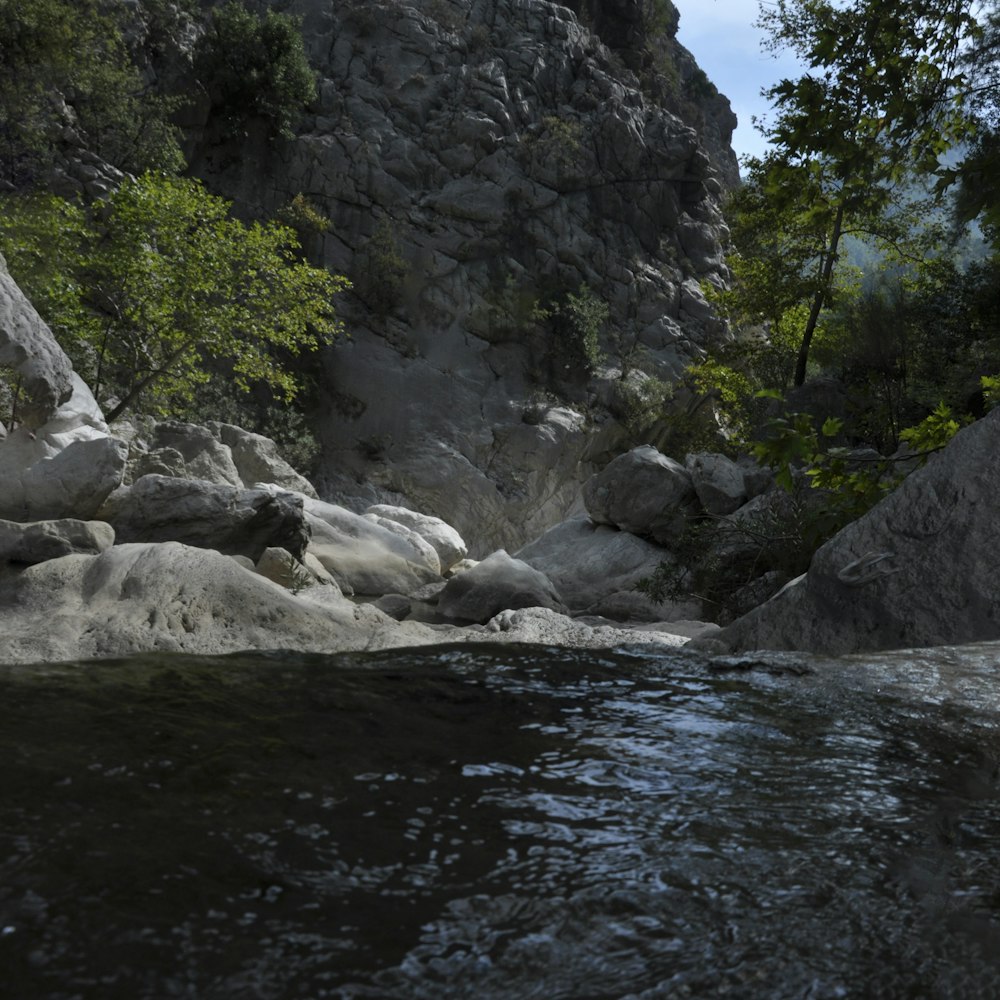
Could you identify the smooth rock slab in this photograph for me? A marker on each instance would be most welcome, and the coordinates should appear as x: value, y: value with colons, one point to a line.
x: 364, y: 555
x: 447, y: 542
x: 27, y: 346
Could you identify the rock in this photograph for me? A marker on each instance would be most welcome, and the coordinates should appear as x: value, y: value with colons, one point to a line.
x: 366, y: 556
x: 143, y: 597
x: 447, y: 542
x: 718, y: 481
x: 543, y: 626
x: 427, y: 551
x: 498, y: 583
x: 257, y: 460
x: 284, y: 569
x: 642, y: 492
x: 187, y: 451
x: 27, y: 346
x: 396, y: 606
x: 38, y: 541
x: 595, y: 569
x: 207, y: 515
x: 140, y: 597
x: 916, y: 570
x: 473, y: 163
x: 65, y: 467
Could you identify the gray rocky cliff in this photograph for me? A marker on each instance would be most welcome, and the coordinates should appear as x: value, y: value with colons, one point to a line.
x: 480, y: 162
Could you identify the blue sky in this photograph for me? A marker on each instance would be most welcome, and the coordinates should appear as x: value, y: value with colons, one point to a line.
x: 723, y: 38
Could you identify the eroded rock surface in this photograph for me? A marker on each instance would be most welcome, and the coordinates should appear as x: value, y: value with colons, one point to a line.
x: 919, y: 569
x: 479, y: 162
x: 207, y: 515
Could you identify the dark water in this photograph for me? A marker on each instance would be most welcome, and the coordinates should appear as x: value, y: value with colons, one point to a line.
x: 495, y: 823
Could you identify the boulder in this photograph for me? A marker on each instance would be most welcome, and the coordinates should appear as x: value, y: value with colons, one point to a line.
x: 187, y: 451
x: 642, y: 492
x: 718, y: 481
x: 365, y: 556
x: 496, y: 584
x: 284, y: 569
x: 917, y: 570
x: 447, y: 542
x: 27, y: 346
x: 257, y: 460
x: 596, y: 568
x: 427, y: 551
x: 207, y: 515
x: 39, y: 541
x: 135, y: 598
x: 63, y: 468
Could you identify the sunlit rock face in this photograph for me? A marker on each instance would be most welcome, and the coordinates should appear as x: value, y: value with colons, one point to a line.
x: 60, y: 461
x: 478, y: 163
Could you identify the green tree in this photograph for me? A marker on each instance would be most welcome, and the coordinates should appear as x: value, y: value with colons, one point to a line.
x: 880, y: 100
x: 255, y: 67
x: 163, y: 283
x: 65, y: 66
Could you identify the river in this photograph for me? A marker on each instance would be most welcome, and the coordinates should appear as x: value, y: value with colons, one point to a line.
x: 501, y: 822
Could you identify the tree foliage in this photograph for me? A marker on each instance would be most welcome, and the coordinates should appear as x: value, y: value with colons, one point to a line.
x: 879, y: 100
x: 153, y: 287
x: 66, y: 72
x: 255, y: 67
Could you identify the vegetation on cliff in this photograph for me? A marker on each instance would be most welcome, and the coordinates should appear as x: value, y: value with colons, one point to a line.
x: 152, y: 286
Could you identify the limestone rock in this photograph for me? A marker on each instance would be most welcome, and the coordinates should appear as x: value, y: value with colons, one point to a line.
x: 446, y: 541
x: 642, y: 492
x: 38, y: 541
x: 27, y: 346
x: 257, y: 460
x: 65, y: 467
x: 207, y: 515
x: 543, y: 626
x: 496, y: 584
x: 284, y: 569
x: 474, y: 162
x: 424, y: 547
x: 187, y: 451
x: 595, y: 569
x: 140, y: 597
x: 366, y: 556
x: 916, y: 570
x: 718, y: 481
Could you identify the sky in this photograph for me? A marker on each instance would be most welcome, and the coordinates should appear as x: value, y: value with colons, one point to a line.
x: 723, y: 38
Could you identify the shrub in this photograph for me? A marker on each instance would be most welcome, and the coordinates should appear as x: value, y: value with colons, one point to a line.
x: 255, y: 67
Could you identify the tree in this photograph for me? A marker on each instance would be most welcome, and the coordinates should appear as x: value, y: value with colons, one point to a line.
x: 163, y: 282
x: 255, y: 67
x: 880, y: 100
x: 65, y: 66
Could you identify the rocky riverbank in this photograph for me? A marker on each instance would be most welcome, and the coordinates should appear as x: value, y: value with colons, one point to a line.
x: 171, y: 536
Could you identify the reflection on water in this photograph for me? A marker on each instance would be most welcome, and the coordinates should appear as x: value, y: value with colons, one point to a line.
x: 491, y: 823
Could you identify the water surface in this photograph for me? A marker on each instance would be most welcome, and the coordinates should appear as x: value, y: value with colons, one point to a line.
x: 493, y: 822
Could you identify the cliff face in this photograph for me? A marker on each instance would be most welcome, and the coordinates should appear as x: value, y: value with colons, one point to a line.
x: 498, y: 182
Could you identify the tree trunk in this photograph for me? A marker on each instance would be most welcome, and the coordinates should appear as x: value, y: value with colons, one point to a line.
x: 820, y: 297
